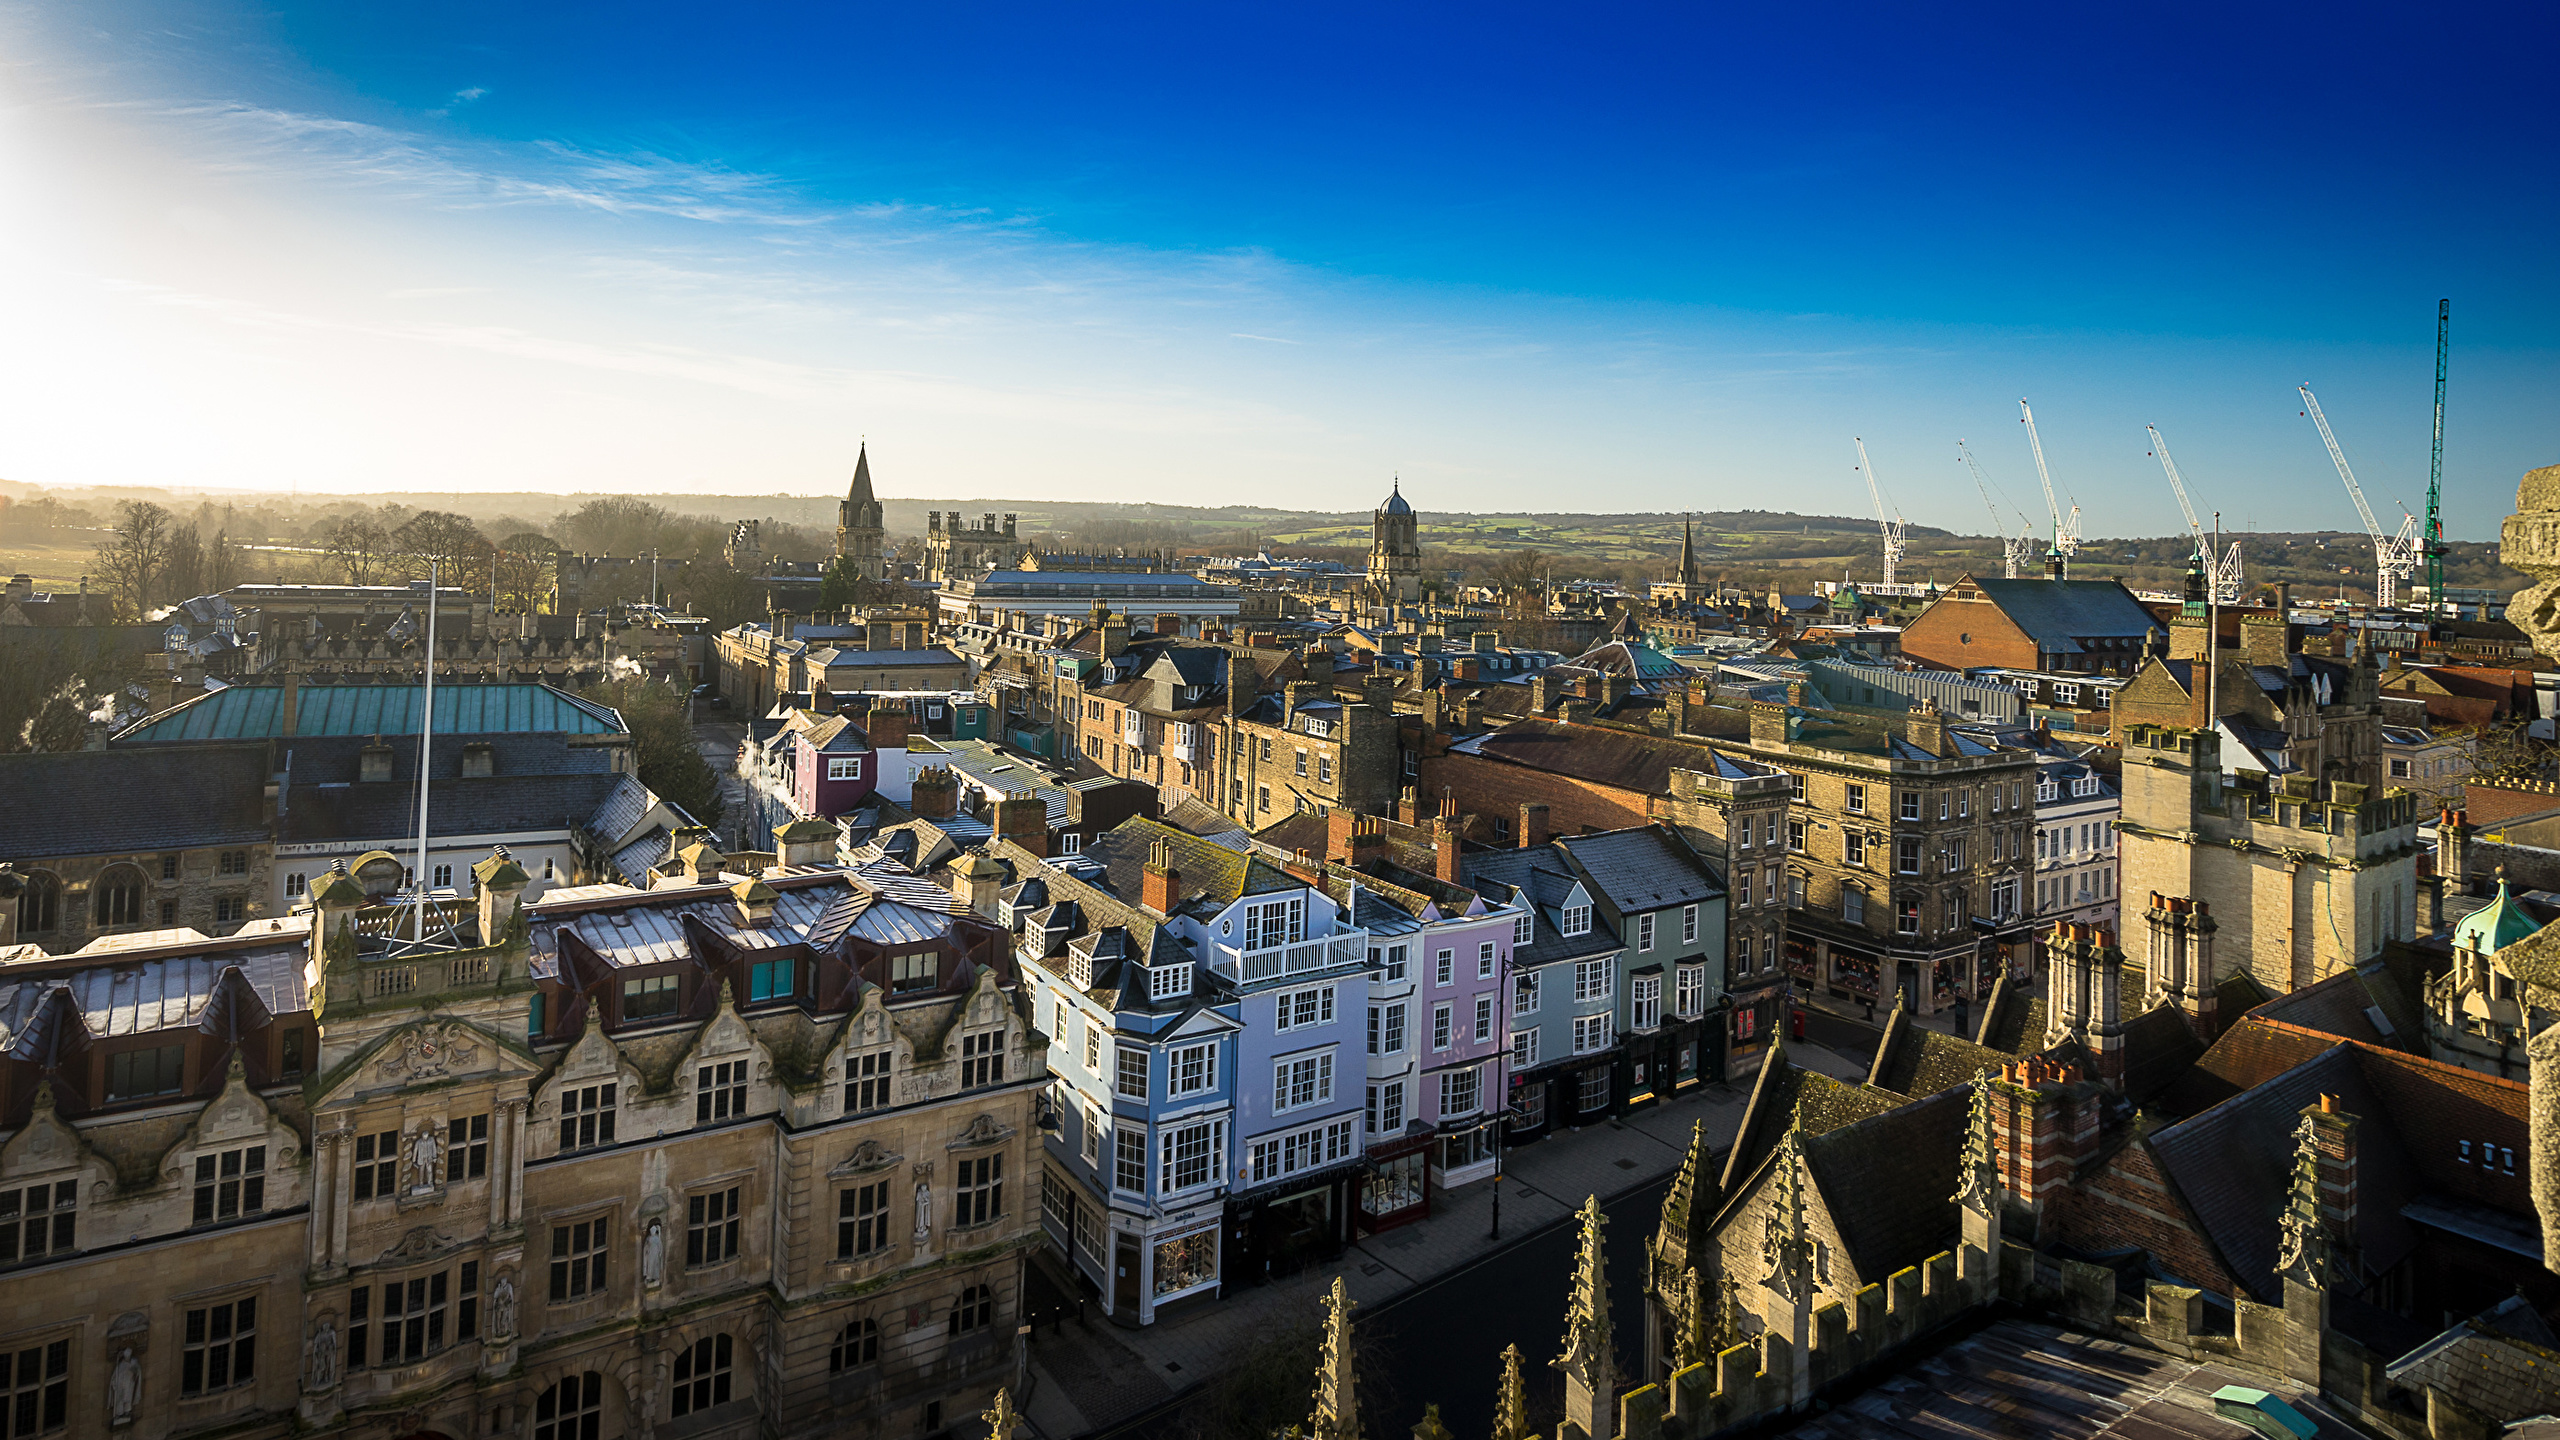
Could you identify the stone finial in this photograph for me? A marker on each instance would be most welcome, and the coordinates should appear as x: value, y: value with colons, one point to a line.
x: 1337, y: 1412
x: 2302, y: 1241
x: 1001, y: 1419
x: 1511, y: 1401
x: 1590, y: 1368
x: 1784, y: 1248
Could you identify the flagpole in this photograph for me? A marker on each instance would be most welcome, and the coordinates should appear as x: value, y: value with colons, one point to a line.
x: 426, y: 737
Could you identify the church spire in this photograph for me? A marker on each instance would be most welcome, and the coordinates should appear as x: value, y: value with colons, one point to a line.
x: 860, y: 492
x: 1688, y: 555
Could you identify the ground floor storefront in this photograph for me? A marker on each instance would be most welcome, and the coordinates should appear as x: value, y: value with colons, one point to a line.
x: 1862, y: 969
x: 1135, y: 1261
x: 1286, y: 1227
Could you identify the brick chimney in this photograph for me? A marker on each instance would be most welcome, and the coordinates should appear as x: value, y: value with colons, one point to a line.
x: 1542, y: 692
x: 1928, y: 728
x: 1533, y: 826
x: 1444, y: 846
x: 1023, y: 818
x: 935, y: 794
x: 1115, y: 636
x: 1168, y: 624
x: 1409, y: 805
x: 2333, y: 1135
x: 1159, y: 884
x: 887, y: 727
x: 1768, y: 722
x: 2262, y: 639
x: 2044, y: 1126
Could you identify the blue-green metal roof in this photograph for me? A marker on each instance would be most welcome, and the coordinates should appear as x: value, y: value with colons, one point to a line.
x: 256, y: 712
x: 2494, y: 926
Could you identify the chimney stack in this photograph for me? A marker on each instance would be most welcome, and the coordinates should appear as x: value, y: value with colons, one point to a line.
x: 935, y: 794
x: 1023, y: 818
x: 1160, y: 884
x: 1928, y: 728
x: 1533, y: 826
x: 887, y: 726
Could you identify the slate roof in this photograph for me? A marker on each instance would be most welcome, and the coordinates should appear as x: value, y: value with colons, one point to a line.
x: 1786, y: 1094
x: 1645, y: 868
x: 100, y: 802
x: 257, y: 712
x: 491, y: 805
x: 1212, y: 876
x: 2060, y: 613
x: 2503, y: 1364
x: 1917, y: 1061
x: 1889, y: 1181
x: 1201, y: 818
x: 1621, y: 759
x: 833, y: 657
x: 2234, y: 1166
x: 130, y: 998
x: 315, y: 759
x: 1542, y: 878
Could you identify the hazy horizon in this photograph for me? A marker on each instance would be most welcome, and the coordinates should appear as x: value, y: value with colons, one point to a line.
x: 1674, y: 257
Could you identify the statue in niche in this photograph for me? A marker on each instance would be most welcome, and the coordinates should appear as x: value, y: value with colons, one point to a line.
x: 124, y: 1387
x: 502, y: 1306
x: 320, y: 1355
x: 424, y: 1157
x: 653, y: 1254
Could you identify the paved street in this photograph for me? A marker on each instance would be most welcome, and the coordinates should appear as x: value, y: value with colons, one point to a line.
x: 1436, y: 1298
x: 718, y: 741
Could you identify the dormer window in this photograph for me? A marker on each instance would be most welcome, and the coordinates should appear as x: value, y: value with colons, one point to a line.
x: 913, y: 973
x: 1577, y: 920
x: 1169, y: 982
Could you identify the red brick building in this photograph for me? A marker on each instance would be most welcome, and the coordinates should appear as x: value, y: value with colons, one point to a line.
x: 2089, y: 626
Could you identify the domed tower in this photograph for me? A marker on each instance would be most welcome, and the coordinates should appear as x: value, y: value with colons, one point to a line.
x: 858, y: 531
x: 1395, y: 551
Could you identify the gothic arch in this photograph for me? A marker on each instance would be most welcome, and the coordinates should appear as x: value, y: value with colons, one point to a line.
x: 40, y: 904
x: 117, y: 896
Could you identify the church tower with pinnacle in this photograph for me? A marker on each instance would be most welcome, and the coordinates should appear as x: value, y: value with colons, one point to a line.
x: 1395, y: 552
x: 858, y: 529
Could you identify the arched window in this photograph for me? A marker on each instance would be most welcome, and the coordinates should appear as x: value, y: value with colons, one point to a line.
x: 40, y: 904
x: 571, y: 1410
x: 702, y: 1375
x: 117, y: 897
x: 976, y: 1310
x: 857, y: 1345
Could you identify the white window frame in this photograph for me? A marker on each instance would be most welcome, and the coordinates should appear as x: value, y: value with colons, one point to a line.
x: 1443, y: 1026
x: 1210, y: 1159
x: 1577, y: 921
x: 1524, y: 928
x: 1169, y: 982
x: 1524, y: 1048
x: 1593, y: 980
x: 1310, y: 1073
x: 1461, y: 1091
x: 1485, y: 959
x: 1689, y: 991
x: 1191, y: 1069
x: 1689, y: 925
x: 1524, y: 992
x: 1644, y: 1002
x: 1594, y: 1033
x: 844, y: 767
x: 1303, y: 1009
x: 1644, y: 933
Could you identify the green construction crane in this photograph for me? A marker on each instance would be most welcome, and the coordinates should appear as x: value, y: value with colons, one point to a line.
x: 2435, y: 470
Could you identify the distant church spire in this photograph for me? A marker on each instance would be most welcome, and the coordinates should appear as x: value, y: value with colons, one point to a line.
x: 858, y: 529
x: 1688, y: 555
x: 860, y: 493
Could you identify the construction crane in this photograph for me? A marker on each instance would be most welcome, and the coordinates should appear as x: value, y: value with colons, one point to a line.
x: 2013, y: 549
x: 2435, y: 471
x: 2224, y: 574
x: 2395, y: 557
x: 2066, y: 531
x: 1895, y: 533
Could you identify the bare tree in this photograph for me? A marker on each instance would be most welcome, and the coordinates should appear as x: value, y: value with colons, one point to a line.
x: 133, y: 559
x: 455, y: 546
x: 525, y: 563
x: 357, y: 544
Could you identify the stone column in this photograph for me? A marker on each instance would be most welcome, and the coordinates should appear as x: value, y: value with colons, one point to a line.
x: 325, y: 1163
x: 341, y: 1196
x: 502, y: 1176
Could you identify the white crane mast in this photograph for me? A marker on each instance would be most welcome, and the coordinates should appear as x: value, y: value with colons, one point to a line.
x: 2014, y: 549
x: 2224, y: 574
x: 2395, y: 557
x: 1895, y: 532
x: 2066, y: 531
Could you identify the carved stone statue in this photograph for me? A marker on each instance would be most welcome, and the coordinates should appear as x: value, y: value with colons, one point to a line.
x: 502, y: 1307
x: 924, y: 1212
x: 124, y: 1387
x: 425, y: 1153
x: 653, y: 1255
x: 320, y: 1355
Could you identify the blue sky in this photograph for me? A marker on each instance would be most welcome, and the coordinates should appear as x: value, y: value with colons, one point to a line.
x: 1527, y: 257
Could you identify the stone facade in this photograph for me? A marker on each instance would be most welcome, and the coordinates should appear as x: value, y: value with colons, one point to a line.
x: 486, y: 1189
x: 2304, y: 878
x: 858, y: 529
x: 954, y: 547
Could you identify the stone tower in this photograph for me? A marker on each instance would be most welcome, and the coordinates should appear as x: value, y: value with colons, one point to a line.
x: 858, y: 530
x: 1395, y: 552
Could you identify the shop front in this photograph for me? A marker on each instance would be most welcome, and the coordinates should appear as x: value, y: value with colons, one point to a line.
x: 1753, y: 1017
x: 1397, y: 1188
x: 1159, y: 1261
x: 1302, y: 1221
x: 1466, y: 1151
x: 1655, y: 1065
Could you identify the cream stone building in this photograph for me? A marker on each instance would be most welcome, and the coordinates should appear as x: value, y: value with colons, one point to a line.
x: 2303, y: 877
x: 736, y: 1155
